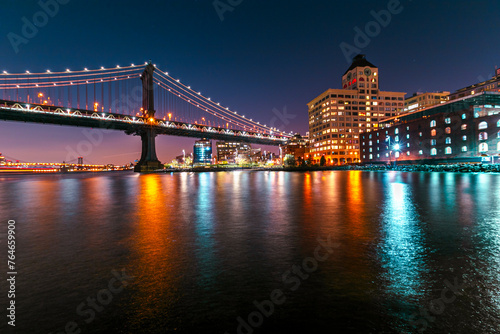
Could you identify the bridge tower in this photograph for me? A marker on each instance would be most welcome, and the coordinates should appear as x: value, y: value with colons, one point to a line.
x: 149, y: 161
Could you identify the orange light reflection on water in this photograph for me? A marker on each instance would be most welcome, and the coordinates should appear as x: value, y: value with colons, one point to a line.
x: 152, y: 247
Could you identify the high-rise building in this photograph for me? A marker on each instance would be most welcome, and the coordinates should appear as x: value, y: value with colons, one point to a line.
x: 338, y: 116
x: 419, y: 101
x: 202, y: 152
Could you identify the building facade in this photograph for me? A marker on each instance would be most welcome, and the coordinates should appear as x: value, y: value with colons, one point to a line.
x: 419, y: 101
x: 462, y: 130
x: 338, y: 116
x: 202, y: 152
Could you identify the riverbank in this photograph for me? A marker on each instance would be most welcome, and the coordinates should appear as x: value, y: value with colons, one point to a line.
x: 454, y: 168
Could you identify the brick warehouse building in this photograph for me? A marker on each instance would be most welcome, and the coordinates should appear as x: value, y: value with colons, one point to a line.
x: 462, y: 130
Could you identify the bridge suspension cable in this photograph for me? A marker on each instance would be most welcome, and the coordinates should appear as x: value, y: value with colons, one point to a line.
x: 206, y: 104
x: 88, y: 88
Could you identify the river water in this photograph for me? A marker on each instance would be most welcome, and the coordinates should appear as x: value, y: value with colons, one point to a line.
x: 253, y: 252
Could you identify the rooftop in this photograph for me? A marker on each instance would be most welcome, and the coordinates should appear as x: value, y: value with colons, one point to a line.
x: 360, y: 61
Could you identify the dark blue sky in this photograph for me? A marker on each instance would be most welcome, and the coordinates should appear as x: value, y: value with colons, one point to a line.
x: 264, y: 56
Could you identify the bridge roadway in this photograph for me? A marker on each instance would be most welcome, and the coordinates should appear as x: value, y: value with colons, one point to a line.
x: 37, y: 113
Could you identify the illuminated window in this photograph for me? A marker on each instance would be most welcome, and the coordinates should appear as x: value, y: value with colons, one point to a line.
x: 483, y: 136
x: 433, y: 124
x: 420, y: 152
x: 464, y: 116
x: 433, y: 142
x: 483, y: 125
x: 498, y: 124
x: 433, y: 151
x: 396, y: 155
x: 396, y: 131
x: 447, y: 120
x: 396, y: 139
x: 448, y: 140
x: 464, y: 127
x: 447, y: 130
x: 408, y: 153
x: 498, y: 134
x: 464, y: 148
x: 464, y: 138
x: 433, y: 133
x: 483, y: 147
x: 447, y: 150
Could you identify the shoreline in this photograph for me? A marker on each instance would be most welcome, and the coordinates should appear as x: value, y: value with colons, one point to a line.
x: 454, y: 168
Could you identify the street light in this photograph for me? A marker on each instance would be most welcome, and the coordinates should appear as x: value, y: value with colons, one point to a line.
x: 396, y: 155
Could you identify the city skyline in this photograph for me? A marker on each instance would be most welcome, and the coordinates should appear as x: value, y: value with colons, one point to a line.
x: 229, y: 71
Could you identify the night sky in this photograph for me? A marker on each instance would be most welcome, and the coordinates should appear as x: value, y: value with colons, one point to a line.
x: 263, y: 56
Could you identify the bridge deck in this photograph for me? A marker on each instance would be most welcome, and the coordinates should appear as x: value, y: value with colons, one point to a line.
x: 36, y: 113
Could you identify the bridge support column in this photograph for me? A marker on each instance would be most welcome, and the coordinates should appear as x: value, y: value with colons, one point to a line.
x: 149, y: 161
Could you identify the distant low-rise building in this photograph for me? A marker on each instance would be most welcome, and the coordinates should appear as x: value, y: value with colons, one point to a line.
x: 233, y: 152
x: 419, y: 101
x: 298, y: 147
x: 491, y: 85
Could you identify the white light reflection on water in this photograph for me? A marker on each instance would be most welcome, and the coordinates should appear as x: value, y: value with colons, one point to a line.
x: 401, y: 251
x: 204, y: 224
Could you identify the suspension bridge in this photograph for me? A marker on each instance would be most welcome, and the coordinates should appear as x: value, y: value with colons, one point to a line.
x: 114, y: 98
